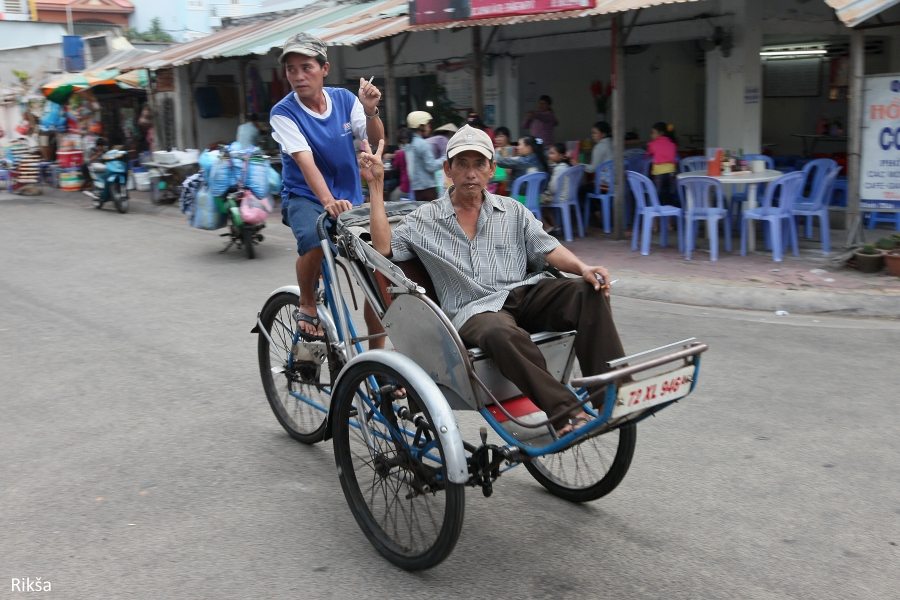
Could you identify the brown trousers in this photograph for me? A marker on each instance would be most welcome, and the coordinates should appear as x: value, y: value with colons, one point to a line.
x: 426, y: 195
x: 549, y: 305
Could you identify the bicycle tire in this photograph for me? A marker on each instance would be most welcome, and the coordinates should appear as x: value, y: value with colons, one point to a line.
x: 563, y: 473
x: 398, y: 485
x: 289, y: 388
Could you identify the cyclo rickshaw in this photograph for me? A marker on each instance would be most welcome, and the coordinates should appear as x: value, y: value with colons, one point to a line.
x: 400, y: 456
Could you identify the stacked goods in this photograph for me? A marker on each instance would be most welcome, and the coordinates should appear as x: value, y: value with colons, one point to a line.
x: 70, y: 179
x: 27, y: 164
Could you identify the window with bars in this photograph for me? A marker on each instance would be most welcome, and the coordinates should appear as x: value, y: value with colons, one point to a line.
x: 14, y: 6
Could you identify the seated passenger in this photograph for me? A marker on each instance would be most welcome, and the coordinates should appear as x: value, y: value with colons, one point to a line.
x: 485, y: 254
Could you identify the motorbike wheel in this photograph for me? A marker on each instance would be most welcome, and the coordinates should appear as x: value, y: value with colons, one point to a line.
x: 247, y: 241
x: 119, y: 197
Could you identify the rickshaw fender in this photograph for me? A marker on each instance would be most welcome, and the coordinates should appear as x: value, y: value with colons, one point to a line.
x: 441, y: 416
x: 291, y: 289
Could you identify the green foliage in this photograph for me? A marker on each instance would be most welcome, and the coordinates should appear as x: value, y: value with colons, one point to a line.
x: 443, y: 111
x: 868, y: 249
x: 23, y: 76
x: 886, y: 243
x: 156, y: 33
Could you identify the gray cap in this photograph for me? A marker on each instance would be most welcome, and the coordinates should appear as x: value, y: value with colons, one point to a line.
x: 305, y: 44
x: 470, y: 138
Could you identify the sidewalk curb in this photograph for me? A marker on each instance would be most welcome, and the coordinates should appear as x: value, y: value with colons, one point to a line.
x: 735, y: 295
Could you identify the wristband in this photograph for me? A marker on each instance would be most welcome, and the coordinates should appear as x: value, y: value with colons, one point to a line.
x: 372, y: 116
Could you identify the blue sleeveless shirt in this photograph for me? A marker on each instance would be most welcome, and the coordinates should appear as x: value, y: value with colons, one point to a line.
x: 331, y: 142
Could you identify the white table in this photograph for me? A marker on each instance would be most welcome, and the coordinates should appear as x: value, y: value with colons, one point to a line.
x: 751, y: 180
x: 165, y: 170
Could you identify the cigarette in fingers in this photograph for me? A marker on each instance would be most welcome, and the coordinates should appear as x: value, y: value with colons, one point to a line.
x: 369, y: 82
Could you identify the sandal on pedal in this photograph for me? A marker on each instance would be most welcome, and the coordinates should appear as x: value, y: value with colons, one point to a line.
x: 573, y: 424
x: 312, y: 320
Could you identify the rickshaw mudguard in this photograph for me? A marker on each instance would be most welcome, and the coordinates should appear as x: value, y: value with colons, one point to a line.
x: 442, y: 418
x: 324, y: 316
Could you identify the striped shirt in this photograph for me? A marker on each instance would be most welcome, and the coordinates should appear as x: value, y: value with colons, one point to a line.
x: 475, y: 276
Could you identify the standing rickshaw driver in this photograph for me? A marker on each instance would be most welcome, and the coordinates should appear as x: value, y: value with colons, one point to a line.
x: 315, y: 127
x: 484, y: 254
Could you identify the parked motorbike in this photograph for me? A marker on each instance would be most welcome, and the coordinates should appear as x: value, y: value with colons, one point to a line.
x: 241, y: 232
x: 110, y: 177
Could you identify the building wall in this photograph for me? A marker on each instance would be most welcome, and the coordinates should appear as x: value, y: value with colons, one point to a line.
x: 37, y: 61
x: 54, y: 16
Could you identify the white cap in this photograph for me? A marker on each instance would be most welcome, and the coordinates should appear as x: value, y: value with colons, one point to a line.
x: 470, y: 138
x: 417, y: 118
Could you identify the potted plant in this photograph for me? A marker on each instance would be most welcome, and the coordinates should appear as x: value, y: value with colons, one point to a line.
x: 869, y: 259
x: 892, y: 262
x: 887, y: 243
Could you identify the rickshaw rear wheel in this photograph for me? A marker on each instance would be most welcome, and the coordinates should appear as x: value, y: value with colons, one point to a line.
x: 299, y: 393
x: 589, y: 470
x: 392, y: 468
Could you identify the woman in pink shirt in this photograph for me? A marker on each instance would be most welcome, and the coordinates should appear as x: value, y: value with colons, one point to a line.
x: 663, y: 151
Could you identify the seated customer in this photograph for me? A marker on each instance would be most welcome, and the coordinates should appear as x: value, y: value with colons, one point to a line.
x: 485, y: 255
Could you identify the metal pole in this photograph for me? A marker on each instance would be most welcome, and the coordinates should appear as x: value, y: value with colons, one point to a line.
x: 390, y: 91
x: 854, y: 135
x: 478, y: 88
x: 618, y: 127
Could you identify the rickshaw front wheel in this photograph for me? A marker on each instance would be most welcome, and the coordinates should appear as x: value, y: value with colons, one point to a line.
x: 297, y: 387
x: 392, y: 467
x: 589, y: 470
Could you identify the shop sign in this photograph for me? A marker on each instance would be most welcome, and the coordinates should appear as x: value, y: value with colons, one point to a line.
x: 880, y: 164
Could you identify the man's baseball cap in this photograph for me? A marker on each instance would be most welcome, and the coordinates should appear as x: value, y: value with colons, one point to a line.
x: 417, y: 118
x: 470, y: 138
x: 305, y: 44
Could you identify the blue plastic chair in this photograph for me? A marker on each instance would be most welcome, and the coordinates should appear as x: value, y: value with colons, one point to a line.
x: 646, y: 208
x: 533, y: 183
x: 6, y: 179
x: 816, y: 205
x: 565, y: 200
x: 739, y: 194
x: 704, y: 201
x: 639, y: 163
x: 876, y: 217
x: 692, y: 164
x: 604, y: 191
x: 778, y: 216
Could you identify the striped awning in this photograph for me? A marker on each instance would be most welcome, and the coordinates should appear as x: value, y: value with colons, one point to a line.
x: 854, y: 12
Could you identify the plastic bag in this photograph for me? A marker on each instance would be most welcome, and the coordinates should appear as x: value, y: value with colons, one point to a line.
x: 257, y: 178
x: 206, y: 213
x: 254, y: 210
x: 222, y: 175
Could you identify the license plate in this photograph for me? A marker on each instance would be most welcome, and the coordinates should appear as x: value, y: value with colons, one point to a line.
x: 653, y: 390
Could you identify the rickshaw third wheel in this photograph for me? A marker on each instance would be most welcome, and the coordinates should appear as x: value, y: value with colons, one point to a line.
x: 392, y: 468
x: 589, y: 470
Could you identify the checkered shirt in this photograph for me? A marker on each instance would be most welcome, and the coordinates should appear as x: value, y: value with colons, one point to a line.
x: 475, y: 276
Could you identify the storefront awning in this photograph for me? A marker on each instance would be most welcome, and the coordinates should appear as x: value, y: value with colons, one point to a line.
x: 336, y: 24
x: 854, y: 12
x: 601, y: 7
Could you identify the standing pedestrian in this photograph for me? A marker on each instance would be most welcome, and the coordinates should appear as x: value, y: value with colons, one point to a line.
x: 420, y: 160
x: 542, y: 122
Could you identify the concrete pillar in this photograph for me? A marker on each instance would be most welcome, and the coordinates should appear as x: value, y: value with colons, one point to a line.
x: 734, y: 83
x: 506, y: 73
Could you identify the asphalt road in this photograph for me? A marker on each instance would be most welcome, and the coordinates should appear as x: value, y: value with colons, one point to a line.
x: 139, y: 459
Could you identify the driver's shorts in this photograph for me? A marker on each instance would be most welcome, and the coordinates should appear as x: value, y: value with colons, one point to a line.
x: 300, y: 214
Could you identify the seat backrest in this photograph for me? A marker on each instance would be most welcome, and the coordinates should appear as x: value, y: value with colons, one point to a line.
x: 786, y: 189
x: 567, y: 186
x: 604, y: 178
x: 533, y: 183
x: 692, y: 163
x: 642, y: 189
x: 703, y: 192
x: 770, y: 162
x: 822, y: 186
x: 814, y: 171
x: 639, y: 163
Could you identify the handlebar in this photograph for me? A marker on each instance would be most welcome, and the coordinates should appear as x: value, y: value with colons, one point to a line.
x: 322, y: 230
